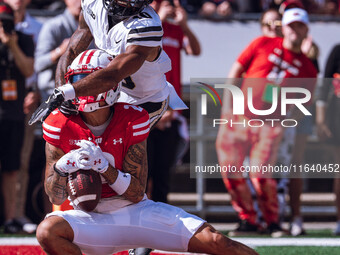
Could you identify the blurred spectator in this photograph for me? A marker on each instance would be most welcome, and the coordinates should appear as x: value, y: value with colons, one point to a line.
x: 297, y: 142
x: 249, y: 6
x: 219, y: 8
x: 330, y: 7
x: 288, y: 4
x: 27, y: 25
x: 328, y: 115
x: 52, y: 43
x: 261, y: 144
x: 270, y: 21
x: 52, y: 5
x: 16, y: 64
x: 191, y: 6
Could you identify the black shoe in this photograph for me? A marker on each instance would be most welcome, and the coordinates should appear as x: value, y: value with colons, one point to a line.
x: 11, y: 227
x: 26, y: 225
x: 244, y: 229
x: 140, y: 251
x: 275, y: 230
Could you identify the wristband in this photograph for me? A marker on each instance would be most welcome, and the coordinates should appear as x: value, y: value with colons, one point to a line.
x: 122, y: 182
x: 59, y: 172
x: 68, y: 91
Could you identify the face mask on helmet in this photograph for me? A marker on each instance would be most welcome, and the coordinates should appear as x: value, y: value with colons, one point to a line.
x: 86, y: 63
x: 122, y: 9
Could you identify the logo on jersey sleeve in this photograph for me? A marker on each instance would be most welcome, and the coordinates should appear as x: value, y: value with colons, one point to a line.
x: 115, y: 141
x: 90, y: 12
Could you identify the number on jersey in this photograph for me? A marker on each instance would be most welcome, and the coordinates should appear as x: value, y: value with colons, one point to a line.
x: 137, y: 108
x: 128, y: 83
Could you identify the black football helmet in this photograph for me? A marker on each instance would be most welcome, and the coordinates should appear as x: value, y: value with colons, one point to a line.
x: 123, y: 9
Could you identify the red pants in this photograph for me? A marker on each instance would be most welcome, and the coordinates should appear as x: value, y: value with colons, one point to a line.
x: 233, y: 144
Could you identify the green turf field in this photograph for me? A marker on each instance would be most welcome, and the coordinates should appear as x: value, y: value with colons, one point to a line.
x: 298, y: 250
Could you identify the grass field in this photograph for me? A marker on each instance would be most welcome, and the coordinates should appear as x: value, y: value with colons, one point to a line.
x: 298, y: 250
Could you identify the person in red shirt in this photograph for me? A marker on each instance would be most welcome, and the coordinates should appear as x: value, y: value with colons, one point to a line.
x: 274, y: 60
x: 110, y: 138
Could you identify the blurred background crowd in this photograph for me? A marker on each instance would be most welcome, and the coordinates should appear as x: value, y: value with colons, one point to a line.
x: 49, y: 25
x: 221, y: 7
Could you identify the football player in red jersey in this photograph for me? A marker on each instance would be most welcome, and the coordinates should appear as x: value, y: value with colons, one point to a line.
x: 113, y: 134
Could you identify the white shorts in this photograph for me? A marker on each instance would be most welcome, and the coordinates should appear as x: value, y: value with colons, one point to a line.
x: 145, y: 224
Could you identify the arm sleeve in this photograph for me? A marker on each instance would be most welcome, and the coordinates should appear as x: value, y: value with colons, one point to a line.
x: 149, y: 36
x: 52, y: 130
x: 138, y: 129
x: 331, y: 67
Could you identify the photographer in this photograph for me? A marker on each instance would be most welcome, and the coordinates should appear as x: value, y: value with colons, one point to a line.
x: 16, y: 64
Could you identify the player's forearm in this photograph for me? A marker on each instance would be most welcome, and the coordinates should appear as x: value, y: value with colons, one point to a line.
x: 55, y: 187
x: 134, y: 192
x: 130, y: 182
x: 64, y: 61
x: 121, y: 67
x: 79, y: 42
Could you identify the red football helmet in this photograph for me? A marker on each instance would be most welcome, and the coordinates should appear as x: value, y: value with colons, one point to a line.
x: 84, y: 64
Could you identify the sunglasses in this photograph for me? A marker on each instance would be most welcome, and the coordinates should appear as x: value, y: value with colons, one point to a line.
x: 269, y: 23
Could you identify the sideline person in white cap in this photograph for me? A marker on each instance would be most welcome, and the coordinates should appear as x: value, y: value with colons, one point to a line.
x: 273, y: 59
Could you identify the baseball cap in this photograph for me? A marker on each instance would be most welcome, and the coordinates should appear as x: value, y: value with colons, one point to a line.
x: 6, y: 11
x: 289, y: 4
x: 295, y: 15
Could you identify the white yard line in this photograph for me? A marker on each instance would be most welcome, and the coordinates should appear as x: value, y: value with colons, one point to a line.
x: 256, y: 242
x: 253, y: 242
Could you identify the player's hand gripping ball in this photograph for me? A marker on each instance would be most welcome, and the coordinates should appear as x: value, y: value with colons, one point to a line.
x: 92, y: 156
x: 84, y: 188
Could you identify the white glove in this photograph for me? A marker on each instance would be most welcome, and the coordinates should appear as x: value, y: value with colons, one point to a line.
x: 92, y: 156
x: 71, y: 162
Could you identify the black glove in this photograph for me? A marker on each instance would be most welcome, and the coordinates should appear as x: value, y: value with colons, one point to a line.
x: 55, y: 100
x: 67, y: 108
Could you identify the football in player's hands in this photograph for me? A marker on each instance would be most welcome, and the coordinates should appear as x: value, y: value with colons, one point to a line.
x: 84, y: 188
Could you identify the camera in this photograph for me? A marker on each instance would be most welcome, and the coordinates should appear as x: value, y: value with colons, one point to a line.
x: 8, y: 25
x: 171, y: 2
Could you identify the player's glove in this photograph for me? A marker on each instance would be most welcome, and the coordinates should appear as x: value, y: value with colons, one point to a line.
x: 93, y: 156
x: 70, y: 162
x: 68, y: 108
x: 55, y: 100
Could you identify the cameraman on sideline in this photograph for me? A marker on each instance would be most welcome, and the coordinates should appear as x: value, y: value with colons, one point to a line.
x: 16, y: 64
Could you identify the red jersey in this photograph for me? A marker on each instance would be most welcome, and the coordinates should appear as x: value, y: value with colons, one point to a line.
x: 129, y: 125
x: 172, y: 45
x: 266, y: 58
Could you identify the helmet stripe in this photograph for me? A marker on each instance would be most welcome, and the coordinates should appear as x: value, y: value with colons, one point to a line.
x: 82, y: 57
x: 90, y: 56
